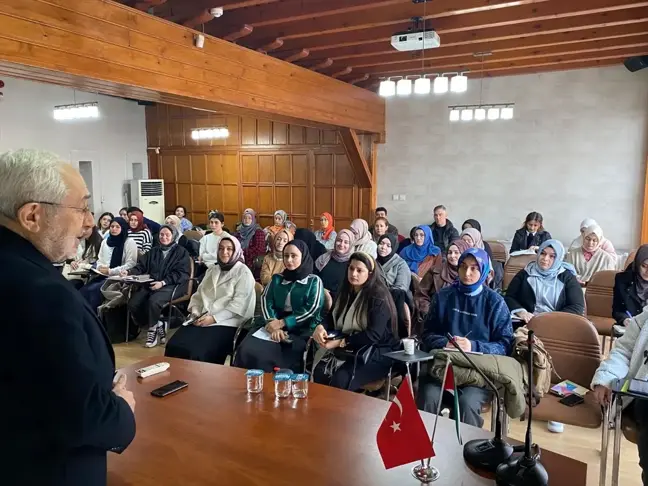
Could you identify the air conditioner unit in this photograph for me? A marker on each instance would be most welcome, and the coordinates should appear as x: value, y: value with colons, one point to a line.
x: 148, y: 195
x: 413, y: 41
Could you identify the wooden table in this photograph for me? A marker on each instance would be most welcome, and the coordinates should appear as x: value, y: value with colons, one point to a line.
x: 213, y: 433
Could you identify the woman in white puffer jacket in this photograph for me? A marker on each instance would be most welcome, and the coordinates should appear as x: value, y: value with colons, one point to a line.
x: 628, y: 359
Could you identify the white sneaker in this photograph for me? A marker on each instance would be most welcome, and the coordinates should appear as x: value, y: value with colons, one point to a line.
x: 555, y: 427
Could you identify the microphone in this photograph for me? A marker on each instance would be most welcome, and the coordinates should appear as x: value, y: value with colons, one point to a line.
x: 526, y: 469
x: 486, y: 454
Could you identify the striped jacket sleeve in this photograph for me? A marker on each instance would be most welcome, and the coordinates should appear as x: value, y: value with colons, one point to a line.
x: 267, y: 301
x: 309, y: 310
x: 147, y: 242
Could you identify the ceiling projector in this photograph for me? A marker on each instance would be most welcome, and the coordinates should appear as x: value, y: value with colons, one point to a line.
x: 415, y: 41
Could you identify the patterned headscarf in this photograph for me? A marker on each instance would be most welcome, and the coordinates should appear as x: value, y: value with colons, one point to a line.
x: 236, y: 257
x: 247, y: 232
x: 323, y: 260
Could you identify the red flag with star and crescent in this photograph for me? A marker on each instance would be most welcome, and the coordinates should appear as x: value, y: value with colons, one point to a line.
x: 402, y: 437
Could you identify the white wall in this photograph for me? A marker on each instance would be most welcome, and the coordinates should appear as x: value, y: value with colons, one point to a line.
x: 113, y: 142
x: 576, y: 148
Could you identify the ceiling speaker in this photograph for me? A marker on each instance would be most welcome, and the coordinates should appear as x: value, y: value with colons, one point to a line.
x: 636, y: 63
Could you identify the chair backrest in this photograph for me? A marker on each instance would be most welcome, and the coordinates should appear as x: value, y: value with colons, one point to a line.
x: 193, y: 235
x: 513, y: 266
x: 189, y: 292
x: 500, y: 252
x: 599, y: 293
x: 630, y: 258
x: 573, y: 344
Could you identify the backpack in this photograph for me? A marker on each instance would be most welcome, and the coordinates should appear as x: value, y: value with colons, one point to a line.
x: 543, y: 369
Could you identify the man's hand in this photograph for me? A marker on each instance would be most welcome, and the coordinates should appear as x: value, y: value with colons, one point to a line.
x: 603, y: 394
x: 274, y: 325
x: 119, y: 389
x: 156, y: 285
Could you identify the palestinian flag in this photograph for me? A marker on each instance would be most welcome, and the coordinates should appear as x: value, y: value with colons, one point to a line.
x: 449, y: 385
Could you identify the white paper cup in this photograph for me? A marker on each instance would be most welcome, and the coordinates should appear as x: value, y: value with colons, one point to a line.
x: 409, y: 345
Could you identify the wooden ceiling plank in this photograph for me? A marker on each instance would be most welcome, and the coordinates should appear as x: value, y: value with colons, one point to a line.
x: 297, y: 56
x: 322, y: 65
x: 271, y: 46
x: 97, y: 30
x: 181, y: 9
x: 359, y: 80
x: 478, y: 29
x: 239, y: 34
x: 344, y: 72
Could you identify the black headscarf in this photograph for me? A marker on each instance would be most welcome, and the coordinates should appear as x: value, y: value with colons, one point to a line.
x: 306, y: 267
x: 117, y: 243
x: 315, y: 248
x: 641, y: 285
x: 393, y: 239
x: 473, y: 224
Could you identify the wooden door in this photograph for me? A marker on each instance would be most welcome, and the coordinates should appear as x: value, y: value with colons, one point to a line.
x: 333, y: 189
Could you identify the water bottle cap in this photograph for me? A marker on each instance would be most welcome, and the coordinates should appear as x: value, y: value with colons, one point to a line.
x: 254, y: 373
x: 299, y: 377
x: 282, y: 377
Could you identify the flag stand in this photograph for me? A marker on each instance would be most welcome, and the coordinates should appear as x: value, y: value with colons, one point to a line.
x: 423, y: 472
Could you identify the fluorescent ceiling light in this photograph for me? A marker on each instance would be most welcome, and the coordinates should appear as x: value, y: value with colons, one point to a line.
x: 422, y: 86
x: 77, y: 111
x: 466, y: 114
x: 506, y: 113
x: 404, y: 87
x: 480, y: 114
x: 493, y: 113
x: 459, y: 83
x: 209, y: 133
x: 440, y: 85
x: 454, y: 115
x: 387, y: 88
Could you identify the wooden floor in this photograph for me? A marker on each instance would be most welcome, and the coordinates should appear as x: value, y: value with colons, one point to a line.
x: 576, y: 442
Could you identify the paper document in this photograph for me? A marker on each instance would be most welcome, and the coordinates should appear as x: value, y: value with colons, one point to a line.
x: 263, y: 334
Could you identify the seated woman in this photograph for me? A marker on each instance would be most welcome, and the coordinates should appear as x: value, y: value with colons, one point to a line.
x: 87, y: 254
x: 123, y: 213
x: 252, y: 240
x: 315, y: 248
x: 380, y: 227
x: 185, y: 224
x: 362, y: 240
x: 139, y: 233
x: 627, y: 361
x: 546, y: 285
x: 226, y: 294
x: 326, y: 234
x: 364, y: 316
x: 273, y: 261
x: 531, y: 235
x: 590, y: 257
x: 280, y: 218
x: 473, y: 236
x: 291, y: 308
x: 191, y: 246
x: 208, y: 251
x: 407, y: 241
x: 103, y: 224
x: 398, y: 278
x: 444, y: 273
x: 476, y: 239
x: 117, y: 253
x: 332, y: 266
x: 631, y: 289
x: 478, y: 319
x: 292, y: 227
x: 168, y: 265
x: 422, y: 254
x: 606, y: 245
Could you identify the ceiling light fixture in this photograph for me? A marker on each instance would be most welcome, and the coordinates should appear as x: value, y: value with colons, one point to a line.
x: 493, y: 113
x: 506, y: 113
x: 454, y: 115
x: 209, y: 133
x: 440, y: 85
x: 480, y: 114
x: 466, y: 114
x: 459, y: 83
x: 387, y: 88
x: 77, y: 111
x: 404, y: 87
x: 422, y: 85
x: 501, y: 111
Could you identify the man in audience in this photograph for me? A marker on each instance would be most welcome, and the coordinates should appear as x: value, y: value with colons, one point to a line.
x: 62, y: 408
x: 381, y: 212
x: 443, y: 230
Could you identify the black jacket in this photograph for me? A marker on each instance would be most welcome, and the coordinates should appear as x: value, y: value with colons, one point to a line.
x: 192, y: 246
x: 520, y: 295
x: 172, y: 270
x: 625, y: 296
x: 520, y: 239
x: 58, y: 414
x: 444, y: 235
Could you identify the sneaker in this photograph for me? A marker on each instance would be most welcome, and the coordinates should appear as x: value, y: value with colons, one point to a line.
x: 151, y: 338
x: 161, y: 328
x: 555, y: 427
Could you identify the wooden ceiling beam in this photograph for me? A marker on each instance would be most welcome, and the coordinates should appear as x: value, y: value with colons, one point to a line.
x: 111, y: 43
x: 388, y: 15
x: 271, y: 46
x: 202, y: 18
x: 321, y: 65
x: 359, y: 80
x: 145, y: 5
x: 297, y: 55
x: 354, y: 152
x: 471, y: 28
x: 239, y: 34
x: 183, y: 9
x: 344, y: 72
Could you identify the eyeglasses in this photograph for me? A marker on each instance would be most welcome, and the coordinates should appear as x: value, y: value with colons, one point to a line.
x: 86, y: 210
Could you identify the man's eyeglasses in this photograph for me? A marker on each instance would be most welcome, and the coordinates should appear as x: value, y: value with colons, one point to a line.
x: 84, y: 211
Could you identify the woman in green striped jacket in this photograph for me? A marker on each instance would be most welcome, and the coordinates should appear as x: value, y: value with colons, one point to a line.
x: 291, y: 308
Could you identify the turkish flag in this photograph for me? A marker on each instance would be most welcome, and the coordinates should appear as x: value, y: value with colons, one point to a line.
x: 402, y: 437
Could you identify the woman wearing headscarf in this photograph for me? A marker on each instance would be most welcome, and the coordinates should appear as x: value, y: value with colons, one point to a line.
x: 443, y: 274
x: 606, y: 245
x: 326, y: 234
x: 407, y: 241
x: 117, y: 253
x: 531, y: 235
x: 138, y: 232
x: 547, y: 284
x: 363, y: 240
x: 471, y: 234
x: 398, y: 279
x: 631, y: 288
x: 290, y: 226
x: 422, y: 254
x: 192, y: 246
x: 478, y: 319
x: 226, y: 295
x: 169, y: 267
x: 590, y: 258
x: 315, y: 248
x: 332, y: 266
x: 280, y: 217
x: 208, y: 251
x: 252, y: 239
x: 291, y: 308
x: 273, y: 261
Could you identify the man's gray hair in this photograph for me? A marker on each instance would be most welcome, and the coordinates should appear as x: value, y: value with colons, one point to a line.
x: 29, y: 176
x: 440, y: 206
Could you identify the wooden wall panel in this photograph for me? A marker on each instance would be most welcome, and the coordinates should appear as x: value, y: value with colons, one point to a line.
x: 265, y: 165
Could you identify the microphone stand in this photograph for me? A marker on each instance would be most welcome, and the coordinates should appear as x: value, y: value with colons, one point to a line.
x: 486, y: 454
x: 526, y: 469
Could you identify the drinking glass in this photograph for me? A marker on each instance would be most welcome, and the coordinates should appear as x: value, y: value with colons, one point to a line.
x: 254, y: 381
